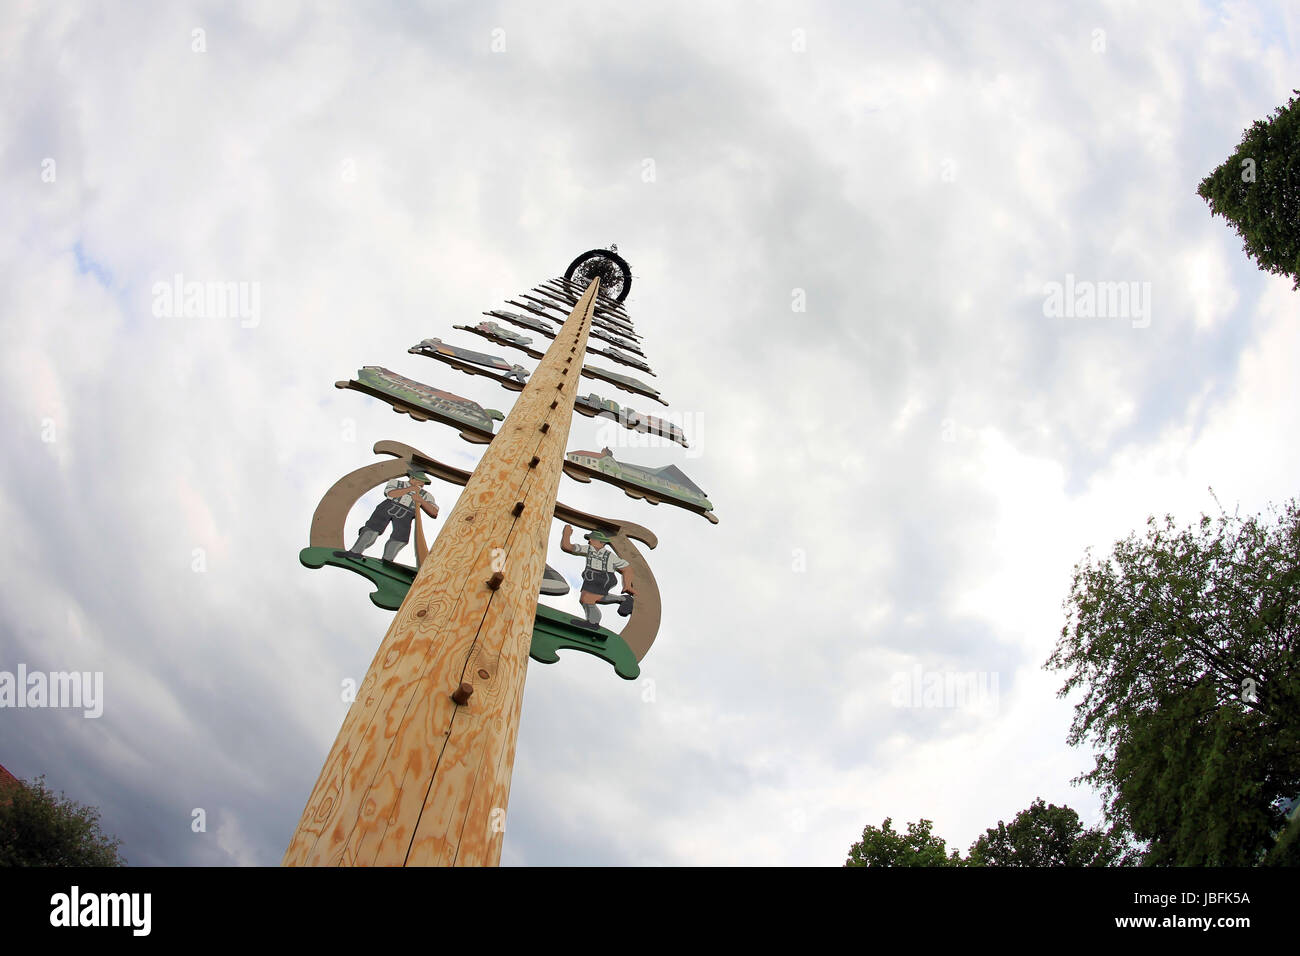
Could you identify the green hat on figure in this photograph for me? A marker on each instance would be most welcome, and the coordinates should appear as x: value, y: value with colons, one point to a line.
x: 418, y: 475
x: 598, y: 536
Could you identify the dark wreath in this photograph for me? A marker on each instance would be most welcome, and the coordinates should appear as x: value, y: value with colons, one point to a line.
x: 610, y: 268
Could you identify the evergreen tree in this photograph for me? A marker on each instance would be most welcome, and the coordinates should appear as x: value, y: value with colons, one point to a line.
x: 1257, y: 189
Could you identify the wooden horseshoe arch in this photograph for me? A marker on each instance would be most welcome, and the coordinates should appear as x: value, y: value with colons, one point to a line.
x: 329, y: 526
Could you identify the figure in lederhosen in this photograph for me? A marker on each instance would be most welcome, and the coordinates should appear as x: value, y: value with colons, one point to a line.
x: 398, y: 507
x: 599, y: 577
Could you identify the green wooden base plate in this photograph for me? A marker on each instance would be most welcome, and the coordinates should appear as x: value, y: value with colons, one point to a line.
x: 552, y: 630
x: 392, y: 581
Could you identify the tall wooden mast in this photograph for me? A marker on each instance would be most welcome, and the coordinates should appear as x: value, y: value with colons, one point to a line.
x: 417, y: 777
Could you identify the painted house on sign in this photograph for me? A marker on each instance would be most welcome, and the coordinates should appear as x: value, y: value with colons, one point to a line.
x: 668, y: 480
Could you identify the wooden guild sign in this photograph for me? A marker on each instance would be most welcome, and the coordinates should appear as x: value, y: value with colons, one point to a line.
x: 538, y: 307
x: 423, y: 402
x: 625, y: 382
x: 667, y: 484
x: 593, y: 405
x: 533, y: 308
x: 490, y: 330
x: 497, y: 332
x: 618, y: 340
x: 467, y: 360
x: 565, y: 291
x: 523, y: 321
x: 605, y: 311
x: 554, y: 630
x: 622, y: 358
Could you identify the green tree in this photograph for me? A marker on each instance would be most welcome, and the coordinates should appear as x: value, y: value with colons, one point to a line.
x: 1286, y: 852
x: 38, y: 828
x: 887, y: 847
x: 1197, y: 780
x: 1048, y: 835
x: 1183, y: 646
x: 1257, y: 189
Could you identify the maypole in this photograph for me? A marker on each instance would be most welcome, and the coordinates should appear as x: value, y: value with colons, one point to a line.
x: 420, y: 771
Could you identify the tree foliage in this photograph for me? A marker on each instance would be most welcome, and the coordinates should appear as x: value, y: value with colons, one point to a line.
x: 1042, y: 835
x: 1048, y: 835
x: 1257, y: 189
x: 38, y: 828
x: 1286, y: 852
x: 1199, y: 782
x: 887, y: 847
x: 1183, y: 646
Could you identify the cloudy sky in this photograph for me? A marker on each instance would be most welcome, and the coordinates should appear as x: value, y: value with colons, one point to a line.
x: 845, y: 229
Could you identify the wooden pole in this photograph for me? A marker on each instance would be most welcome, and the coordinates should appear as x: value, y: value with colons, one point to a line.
x: 419, y: 774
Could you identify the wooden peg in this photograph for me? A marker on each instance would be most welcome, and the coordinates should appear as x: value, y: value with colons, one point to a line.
x: 463, y: 693
x: 546, y: 427
x: 534, y: 462
x: 519, y: 509
x: 494, y: 582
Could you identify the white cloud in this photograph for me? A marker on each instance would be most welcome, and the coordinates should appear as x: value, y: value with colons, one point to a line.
x: 940, y: 451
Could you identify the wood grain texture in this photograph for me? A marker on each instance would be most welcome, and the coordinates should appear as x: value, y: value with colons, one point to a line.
x: 413, y: 778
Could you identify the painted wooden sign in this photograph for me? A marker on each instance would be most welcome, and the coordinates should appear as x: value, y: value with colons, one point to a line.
x: 622, y: 358
x: 537, y: 310
x: 625, y: 382
x: 618, y: 340
x: 473, y: 363
x: 649, y: 424
x: 539, y: 307
x: 553, y: 298
x: 492, y: 331
x: 544, y: 304
x: 599, y: 324
x: 602, y: 314
x: 534, y: 309
x: 552, y: 629
x: 423, y: 402
x: 613, y: 329
x: 602, y: 317
x: 523, y: 321
x: 593, y: 405
x: 667, y: 484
